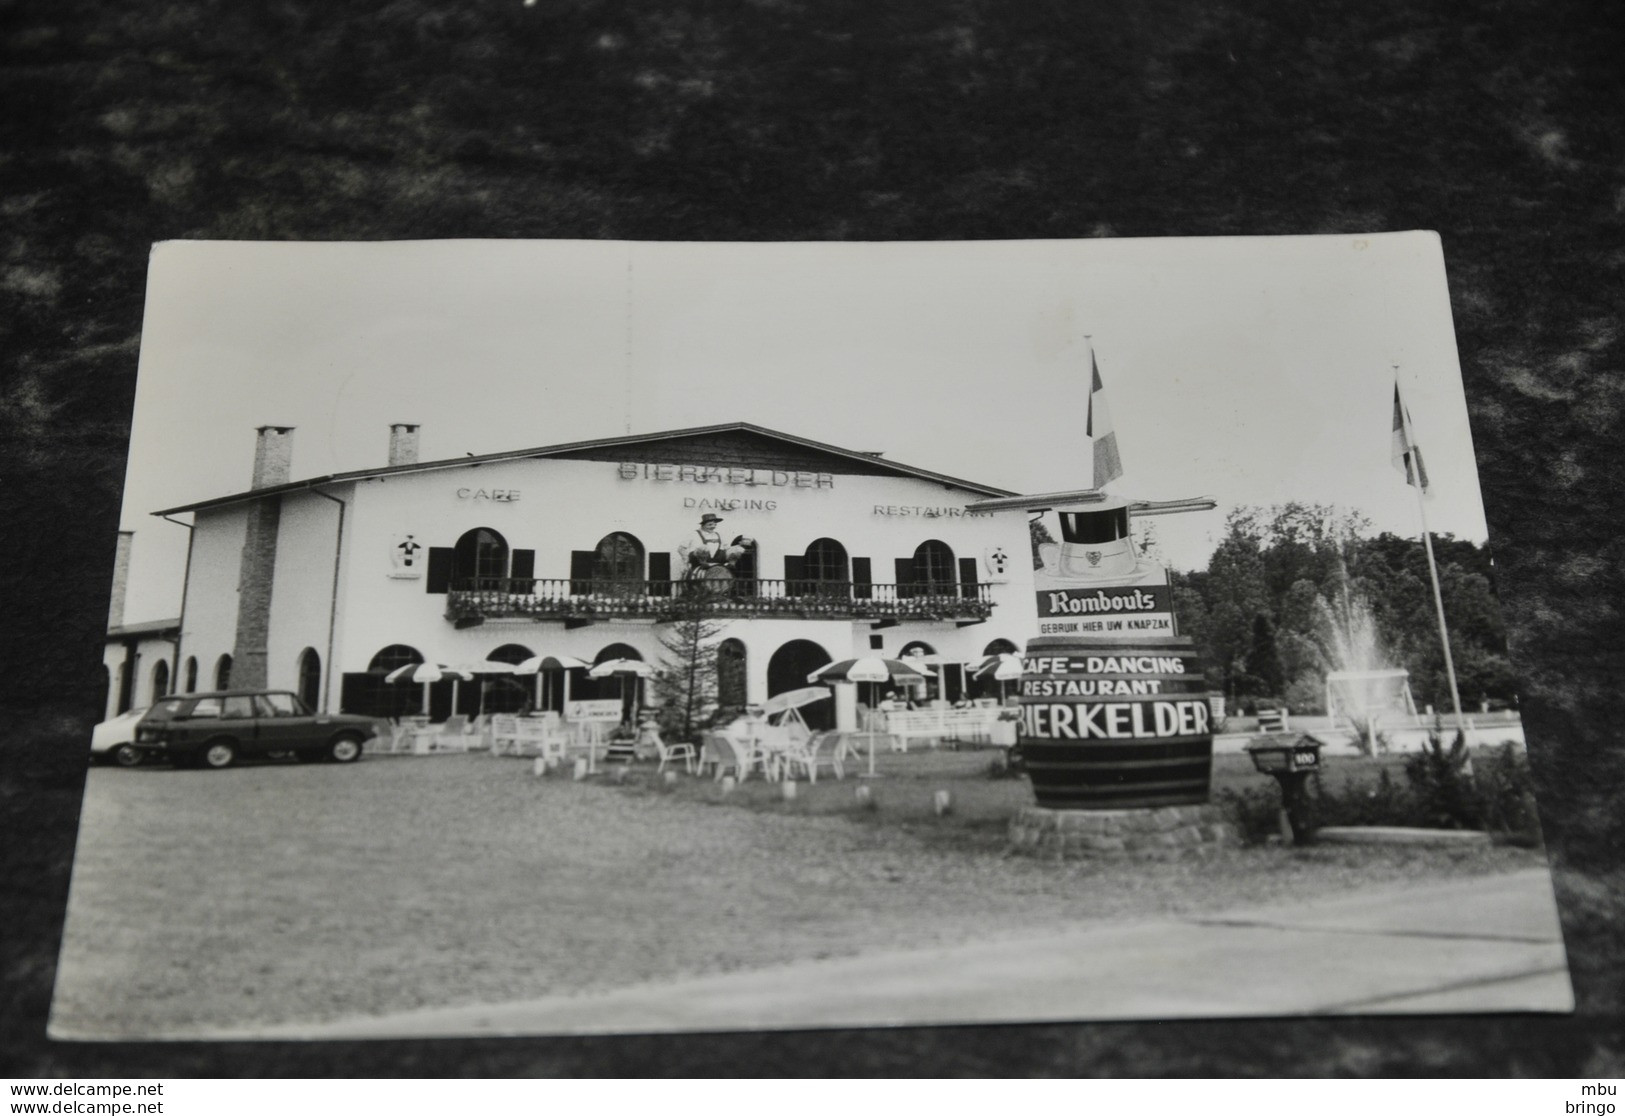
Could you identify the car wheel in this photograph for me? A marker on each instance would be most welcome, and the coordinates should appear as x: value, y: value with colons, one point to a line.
x: 344, y: 749
x: 127, y: 755
x: 219, y: 753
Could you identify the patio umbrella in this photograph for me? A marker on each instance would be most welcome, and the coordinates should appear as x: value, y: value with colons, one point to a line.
x: 1003, y: 668
x: 794, y: 699
x: 635, y: 668
x: 867, y: 669
x: 870, y: 668
x: 551, y: 664
x: 425, y: 673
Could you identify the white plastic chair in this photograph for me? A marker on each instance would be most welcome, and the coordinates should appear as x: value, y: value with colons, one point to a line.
x: 681, y: 750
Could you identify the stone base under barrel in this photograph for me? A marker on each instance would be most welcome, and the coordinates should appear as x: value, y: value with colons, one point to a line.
x: 1165, y: 831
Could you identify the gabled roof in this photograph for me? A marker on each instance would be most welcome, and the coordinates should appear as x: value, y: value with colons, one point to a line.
x: 869, y: 463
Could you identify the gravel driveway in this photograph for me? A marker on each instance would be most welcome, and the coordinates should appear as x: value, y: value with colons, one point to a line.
x: 283, y: 893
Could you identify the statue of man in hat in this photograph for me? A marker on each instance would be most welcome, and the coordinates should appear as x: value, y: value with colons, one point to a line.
x: 706, y: 551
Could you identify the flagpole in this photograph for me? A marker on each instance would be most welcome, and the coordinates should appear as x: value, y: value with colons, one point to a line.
x: 1433, y: 569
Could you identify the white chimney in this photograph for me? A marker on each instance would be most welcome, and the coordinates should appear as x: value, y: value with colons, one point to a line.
x: 273, y: 456
x: 403, y: 443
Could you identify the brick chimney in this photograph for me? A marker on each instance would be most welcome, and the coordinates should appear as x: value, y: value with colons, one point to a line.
x: 121, y: 579
x: 403, y: 443
x: 273, y: 456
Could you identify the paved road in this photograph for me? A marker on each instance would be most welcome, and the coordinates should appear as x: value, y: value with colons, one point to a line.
x: 1490, y: 944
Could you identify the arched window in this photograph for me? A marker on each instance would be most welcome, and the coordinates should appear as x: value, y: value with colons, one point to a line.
x: 826, y: 561
x: 310, y: 678
x: 825, y: 568
x: 999, y: 647
x: 514, y: 653
x: 731, y: 674
x: 392, y: 657
x: 160, y: 679
x: 222, y: 672
x: 618, y: 557
x: 481, y: 560
x: 918, y: 647
x: 934, y: 568
x: 191, y: 674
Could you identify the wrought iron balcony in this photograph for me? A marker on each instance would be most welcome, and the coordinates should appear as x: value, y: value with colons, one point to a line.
x: 481, y: 599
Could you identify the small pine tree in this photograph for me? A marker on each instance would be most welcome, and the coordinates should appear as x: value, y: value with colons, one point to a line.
x: 687, y: 681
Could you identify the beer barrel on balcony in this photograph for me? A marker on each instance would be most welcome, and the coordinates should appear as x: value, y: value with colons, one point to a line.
x: 1111, y: 724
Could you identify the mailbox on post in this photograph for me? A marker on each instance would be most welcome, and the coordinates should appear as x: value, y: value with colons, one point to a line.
x: 1291, y: 764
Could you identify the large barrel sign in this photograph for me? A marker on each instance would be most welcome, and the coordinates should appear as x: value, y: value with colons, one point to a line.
x: 1112, y: 724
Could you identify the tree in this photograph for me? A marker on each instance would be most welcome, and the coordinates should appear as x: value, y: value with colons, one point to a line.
x: 687, y: 683
x: 1264, y: 659
x: 1038, y: 533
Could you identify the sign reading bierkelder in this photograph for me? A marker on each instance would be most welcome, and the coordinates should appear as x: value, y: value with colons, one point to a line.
x: 1109, y: 724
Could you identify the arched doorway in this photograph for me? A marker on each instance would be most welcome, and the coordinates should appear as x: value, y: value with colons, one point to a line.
x: 310, y: 678
x: 222, y: 672
x: 941, y: 679
x: 160, y: 680
x: 731, y: 674
x: 986, y: 686
x: 788, y: 669
x: 367, y: 693
x: 191, y: 674
x: 628, y: 688
x: 509, y: 693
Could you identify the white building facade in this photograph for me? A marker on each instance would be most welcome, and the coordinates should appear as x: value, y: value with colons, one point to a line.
x: 324, y: 586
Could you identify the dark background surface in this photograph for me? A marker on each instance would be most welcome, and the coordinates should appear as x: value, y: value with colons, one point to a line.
x: 1497, y: 124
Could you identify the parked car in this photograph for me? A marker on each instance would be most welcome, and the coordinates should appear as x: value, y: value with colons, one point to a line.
x: 218, y: 728
x: 112, y: 740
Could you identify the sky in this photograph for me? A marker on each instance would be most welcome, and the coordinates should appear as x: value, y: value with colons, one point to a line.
x: 1252, y: 370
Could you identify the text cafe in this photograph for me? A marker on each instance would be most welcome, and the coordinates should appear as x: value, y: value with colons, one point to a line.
x: 801, y: 552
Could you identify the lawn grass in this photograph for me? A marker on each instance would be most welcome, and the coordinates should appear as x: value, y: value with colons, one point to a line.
x: 278, y: 893
x: 981, y: 805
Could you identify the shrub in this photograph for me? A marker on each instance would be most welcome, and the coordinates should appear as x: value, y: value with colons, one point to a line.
x: 1506, y: 796
x: 1385, y: 803
x: 1444, y: 791
x: 1257, y: 810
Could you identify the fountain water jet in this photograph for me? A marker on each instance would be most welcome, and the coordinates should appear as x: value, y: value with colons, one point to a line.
x: 1360, y: 684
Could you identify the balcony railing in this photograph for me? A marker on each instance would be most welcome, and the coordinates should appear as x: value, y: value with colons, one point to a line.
x: 576, y: 599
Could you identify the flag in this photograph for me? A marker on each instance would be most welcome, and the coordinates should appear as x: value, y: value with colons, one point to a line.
x: 1108, y: 466
x: 1407, y: 454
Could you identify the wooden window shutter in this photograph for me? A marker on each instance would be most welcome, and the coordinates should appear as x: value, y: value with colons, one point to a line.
x: 967, y: 578
x: 795, y: 575
x: 581, y: 571
x: 905, y: 577
x: 523, y: 571
x: 659, y: 573
x: 862, y: 579
x: 441, y: 561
